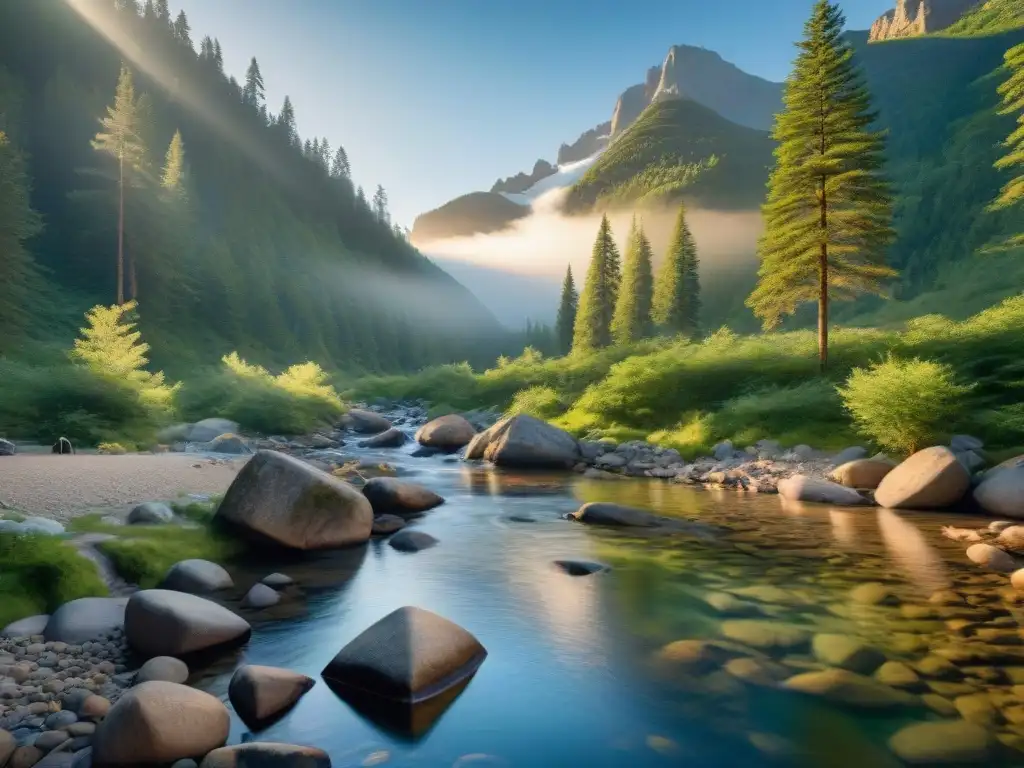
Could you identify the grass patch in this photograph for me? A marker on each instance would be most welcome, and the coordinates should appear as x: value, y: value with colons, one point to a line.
x: 39, y: 573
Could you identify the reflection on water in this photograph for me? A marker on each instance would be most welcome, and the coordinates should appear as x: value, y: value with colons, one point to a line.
x: 571, y: 677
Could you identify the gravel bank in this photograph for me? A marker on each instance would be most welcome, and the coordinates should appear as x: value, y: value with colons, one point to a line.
x: 61, y: 487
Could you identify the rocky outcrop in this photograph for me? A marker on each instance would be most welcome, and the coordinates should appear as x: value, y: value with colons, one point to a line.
x: 930, y: 479
x: 912, y: 18
x: 586, y: 145
x: 160, y: 722
x: 525, y: 441
x: 447, y: 433
x: 630, y: 104
x: 261, y: 694
x: 523, y: 181
x: 287, y: 501
x: 159, y: 622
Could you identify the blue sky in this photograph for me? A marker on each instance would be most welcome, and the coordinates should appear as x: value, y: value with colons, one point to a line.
x: 435, y: 98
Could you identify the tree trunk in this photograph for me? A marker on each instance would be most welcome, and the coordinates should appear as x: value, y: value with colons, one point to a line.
x: 120, y: 234
x: 133, y: 283
x: 823, y: 285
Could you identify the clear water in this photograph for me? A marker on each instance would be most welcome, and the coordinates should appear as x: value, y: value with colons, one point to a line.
x: 570, y: 679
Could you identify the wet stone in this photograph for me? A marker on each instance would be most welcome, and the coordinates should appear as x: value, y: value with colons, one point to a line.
x: 938, y: 667
x: 766, y: 635
x: 873, y: 593
x: 940, y: 705
x: 978, y: 708
x: 847, y: 652
x: 898, y: 675
x: 945, y: 743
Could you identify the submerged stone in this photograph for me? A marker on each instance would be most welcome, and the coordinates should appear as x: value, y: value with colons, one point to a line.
x: 944, y: 743
x: 260, y: 694
x: 580, y: 567
x: 766, y: 635
x: 844, y: 687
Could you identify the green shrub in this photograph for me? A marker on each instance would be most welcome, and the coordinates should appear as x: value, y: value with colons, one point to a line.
x: 542, y: 402
x: 39, y: 573
x: 297, y: 401
x: 439, y: 410
x: 904, y: 405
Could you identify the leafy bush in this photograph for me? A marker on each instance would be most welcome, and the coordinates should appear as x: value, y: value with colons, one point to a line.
x: 904, y: 405
x: 439, y: 410
x: 542, y: 402
x: 39, y: 573
x: 296, y: 401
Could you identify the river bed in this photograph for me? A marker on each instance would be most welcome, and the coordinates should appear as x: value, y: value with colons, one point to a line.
x: 572, y: 676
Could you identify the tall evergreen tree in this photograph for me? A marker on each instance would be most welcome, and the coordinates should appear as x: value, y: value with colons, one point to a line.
x: 324, y: 158
x: 676, y: 305
x: 567, y: 313
x: 206, y: 48
x: 361, y: 199
x: 592, y: 329
x: 149, y: 11
x: 182, y: 30
x: 254, y: 91
x: 163, y: 12
x: 218, y: 56
x: 340, y: 169
x: 828, y: 217
x: 380, y: 205
x: 121, y: 137
x: 173, y: 177
x: 128, y: 6
x: 18, y: 223
x: 632, y: 319
x: 1012, y: 91
x: 286, y: 123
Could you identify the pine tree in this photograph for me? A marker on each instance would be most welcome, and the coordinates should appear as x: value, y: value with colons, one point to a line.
x: 828, y: 217
x: 149, y: 11
x: 173, y: 177
x: 361, y: 199
x: 163, y: 12
x: 324, y: 158
x: 1012, y: 91
x: 592, y: 329
x: 218, y: 56
x: 340, y: 169
x: 567, y: 313
x: 182, y: 31
x: 128, y: 6
x: 206, y: 48
x: 121, y: 137
x: 632, y: 319
x: 254, y: 91
x: 286, y: 123
x: 380, y: 205
x: 19, y: 277
x: 676, y: 305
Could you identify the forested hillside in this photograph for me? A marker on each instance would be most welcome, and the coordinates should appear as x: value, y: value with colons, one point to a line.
x: 238, y: 234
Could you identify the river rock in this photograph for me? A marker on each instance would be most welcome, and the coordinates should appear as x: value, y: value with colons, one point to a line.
x: 229, y: 442
x: 85, y: 619
x: 260, y: 596
x: 208, y: 429
x: 446, y: 433
x: 196, y: 577
x: 580, y: 567
x: 93, y: 707
x: 525, y: 441
x: 260, y: 694
x: 703, y: 655
x: 27, y: 627
x: 955, y: 742
x: 1011, y: 537
x: 848, y: 455
x: 766, y: 635
x: 408, y: 540
x: 1002, y: 493
x: 813, y: 489
x: 1012, y: 463
x: 162, y: 668
x: 862, y: 473
x: 930, y: 479
x: 160, y: 722
x: 47, y: 740
x: 390, y: 496
x: 265, y: 754
x: 25, y: 757
x: 897, y: 674
x: 7, y: 448
x: 991, y: 558
x: 962, y: 443
x: 7, y: 746
x: 365, y: 422
x: 606, y: 513
x: 409, y: 656
x: 846, y: 652
x: 41, y: 525
x: 844, y: 687
x: 160, y: 622
x: 391, y: 438
x: 384, y: 525
x: 151, y: 513
x: 277, y: 580
x: 285, y: 500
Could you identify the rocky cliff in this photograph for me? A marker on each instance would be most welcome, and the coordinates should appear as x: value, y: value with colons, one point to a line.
x: 523, y: 181
x: 911, y: 18
x: 587, y: 144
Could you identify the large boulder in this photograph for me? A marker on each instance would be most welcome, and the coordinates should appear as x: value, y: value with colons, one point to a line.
x: 525, y: 441
x: 366, y: 422
x: 813, y: 489
x: 151, y: 513
x: 930, y: 479
x: 160, y: 622
x: 1001, y: 491
x: 85, y: 619
x: 409, y: 656
x: 160, y: 722
x: 197, y: 577
x: 266, y: 754
x: 293, y: 504
x: 206, y: 430
x: 391, y: 438
x: 7, y: 448
x: 27, y: 627
x: 447, y: 433
x: 390, y: 496
x: 261, y: 694
x: 862, y: 473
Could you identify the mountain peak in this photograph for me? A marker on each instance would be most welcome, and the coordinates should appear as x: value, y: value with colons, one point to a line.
x: 912, y: 18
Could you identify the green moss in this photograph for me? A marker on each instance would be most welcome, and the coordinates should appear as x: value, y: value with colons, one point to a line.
x: 39, y: 573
